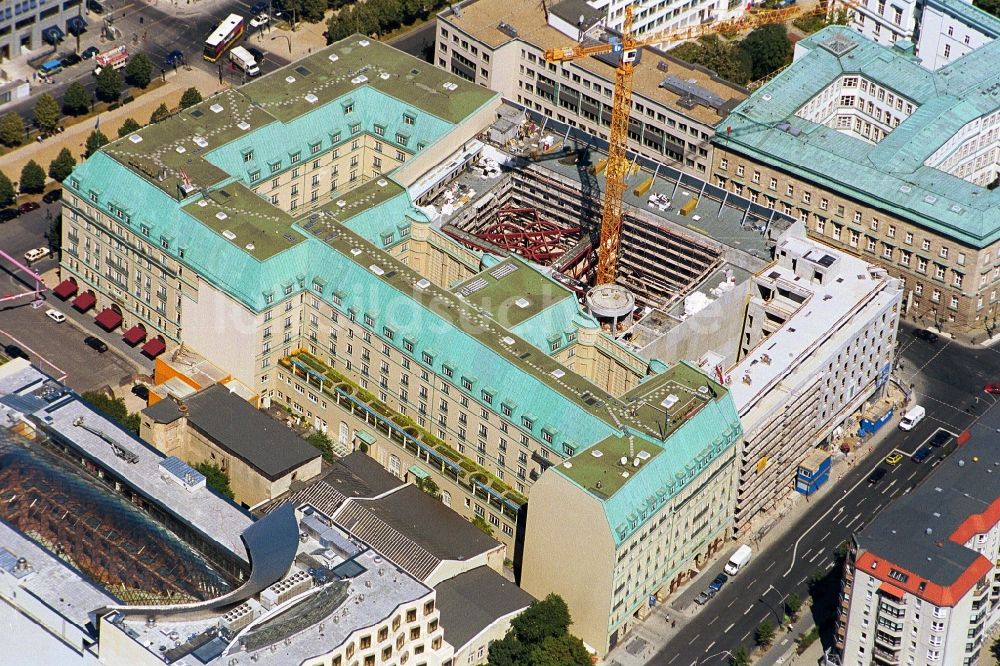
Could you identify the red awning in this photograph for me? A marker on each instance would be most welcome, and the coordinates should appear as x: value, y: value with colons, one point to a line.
x: 154, y: 348
x: 891, y: 590
x: 109, y: 320
x: 65, y: 289
x: 134, y: 335
x: 84, y: 301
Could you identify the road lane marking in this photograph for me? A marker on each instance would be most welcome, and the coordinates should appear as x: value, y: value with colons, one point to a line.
x: 749, y: 608
x: 710, y: 646
x: 851, y: 522
x: 823, y: 538
x: 713, y: 620
x: 769, y: 566
x: 745, y: 636
x: 813, y: 558
x: 696, y: 636
x: 733, y: 624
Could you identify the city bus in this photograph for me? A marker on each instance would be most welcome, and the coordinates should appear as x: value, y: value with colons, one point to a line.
x: 225, y: 35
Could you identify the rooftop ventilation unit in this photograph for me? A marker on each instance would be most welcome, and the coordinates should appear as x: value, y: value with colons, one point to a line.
x: 597, y: 453
x: 243, y: 125
x: 691, y: 90
x: 558, y: 373
x: 522, y: 303
x: 220, y: 215
x: 200, y: 141
x: 669, y: 401
x: 364, y: 42
x: 507, y: 340
x: 507, y: 29
x: 180, y: 472
x: 361, y: 78
x: 250, y: 247
x: 377, y: 270
x: 449, y: 86
x: 423, y: 283
x: 382, y: 182
x: 289, y: 79
x: 384, y: 76
x: 216, y: 108
x: 229, y: 234
x: 135, y: 138
x: 355, y: 251
x: 333, y: 57
x: 180, y: 150
x: 311, y: 98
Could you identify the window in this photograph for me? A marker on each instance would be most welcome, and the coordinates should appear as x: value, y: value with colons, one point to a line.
x: 295, y: 157
x: 401, y: 139
x: 925, y: 245
x: 248, y: 156
x: 275, y: 167
x: 740, y: 170
x: 427, y: 358
x: 408, y: 119
x: 723, y: 164
x: 527, y: 422
x: 773, y: 185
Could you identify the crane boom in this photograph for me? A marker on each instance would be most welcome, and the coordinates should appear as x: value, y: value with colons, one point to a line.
x: 628, y: 46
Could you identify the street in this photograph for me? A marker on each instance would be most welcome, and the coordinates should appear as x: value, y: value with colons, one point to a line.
x: 948, y: 379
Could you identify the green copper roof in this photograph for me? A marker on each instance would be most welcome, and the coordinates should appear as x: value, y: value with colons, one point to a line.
x: 890, y: 175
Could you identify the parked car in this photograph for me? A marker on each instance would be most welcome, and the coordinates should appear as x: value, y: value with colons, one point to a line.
x: 257, y: 54
x: 141, y: 391
x: 8, y: 214
x: 259, y: 7
x: 96, y: 344
x: 55, y: 315
x: 718, y: 582
x: 259, y: 21
x: 52, y: 196
x: 36, y: 254
x: 924, y: 334
x: 893, y: 458
x: 174, y: 58
x: 921, y: 454
x: 27, y: 207
x: 940, y: 438
x: 992, y: 389
x: 877, y: 476
x: 70, y: 60
x: 13, y: 351
x: 704, y: 596
x: 90, y: 52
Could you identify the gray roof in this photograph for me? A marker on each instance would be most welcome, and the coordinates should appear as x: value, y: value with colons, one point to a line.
x: 914, y: 531
x: 359, y: 475
x: 238, y: 428
x: 472, y: 601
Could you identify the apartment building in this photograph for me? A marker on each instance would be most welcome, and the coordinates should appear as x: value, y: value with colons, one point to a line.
x: 921, y: 581
x: 867, y: 158
x: 314, y: 306
x: 620, y: 497
x: 940, y: 31
x: 675, y: 105
x: 818, y: 342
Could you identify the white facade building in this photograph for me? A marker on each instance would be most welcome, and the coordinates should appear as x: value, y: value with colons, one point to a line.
x: 921, y: 583
x: 818, y: 341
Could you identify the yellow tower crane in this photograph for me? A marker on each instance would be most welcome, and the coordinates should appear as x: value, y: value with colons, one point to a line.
x: 628, y: 46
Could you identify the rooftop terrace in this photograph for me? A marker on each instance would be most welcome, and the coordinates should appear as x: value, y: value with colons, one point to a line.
x: 512, y: 292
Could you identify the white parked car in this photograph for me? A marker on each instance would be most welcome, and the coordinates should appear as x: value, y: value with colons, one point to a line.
x: 36, y: 254
x: 55, y: 315
x: 259, y: 21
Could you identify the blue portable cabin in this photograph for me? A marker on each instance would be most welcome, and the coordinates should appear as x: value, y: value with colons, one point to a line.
x: 812, y: 472
x: 50, y: 67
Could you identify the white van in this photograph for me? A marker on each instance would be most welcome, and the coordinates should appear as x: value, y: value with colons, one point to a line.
x: 738, y: 560
x: 911, y: 418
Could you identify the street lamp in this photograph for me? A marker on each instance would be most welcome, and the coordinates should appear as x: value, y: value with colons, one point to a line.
x: 725, y: 652
x: 777, y: 611
x: 287, y: 38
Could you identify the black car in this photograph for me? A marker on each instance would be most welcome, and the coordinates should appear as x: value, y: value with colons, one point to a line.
x: 13, y: 351
x: 921, y: 454
x: 174, y: 58
x: 52, y: 196
x: 257, y: 54
x: 141, y: 391
x: 259, y: 8
x: 8, y: 214
x: 940, y: 438
x: 924, y: 334
x: 70, y: 60
x: 718, y: 582
x: 96, y: 344
x: 90, y: 52
x: 877, y: 476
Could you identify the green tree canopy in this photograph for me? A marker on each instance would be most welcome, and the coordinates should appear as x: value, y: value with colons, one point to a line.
x: 76, y: 100
x: 128, y: 127
x: 139, y: 70
x: 768, y: 48
x: 215, y: 478
x: 323, y: 443
x: 310, y: 11
x: 793, y: 604
x: 109, y: 85
x: 161, y: 112
x: 765, y: 633
x: 740, y: 657
x: 507, y: 652
x: 549, y: 617
x: 190, y: 97
x: 565, y: 650
x: 11, y: 129
x: 539, y: 637
x: 7, y: 192
x: 113, y: 408
x: 990, y: 7
x: 46, y: 112
x: 32, y: 178
x: 95, y: 141
x: 724, y: 58
x: 62, y: 165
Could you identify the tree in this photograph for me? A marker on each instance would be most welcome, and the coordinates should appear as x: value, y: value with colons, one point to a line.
x: 311, y: 11
x: 11, y: 129
x: 565, y: 650
x: 138, y: 70
x: 113, y: 408
x: 988, y: 6
x: 7, y: 193
x: 793, y: 604
x: 109, y: 85
x: 190, y: 97
x: 215, y: 477
x: 32, y: 178
x: 765, y: 633
x: 128, y: 127
x: 95, y: 141
x: 478, y: 521
x: 76, y: 101
x: 724, y: 58
x: 159, y: 114
x: 427, y: 485
x: 62, y: 165
x: 46, y: 112
x: 740, y: 657
x: 323, y: 443
x: 768, y: 48
x: 507, y: 651
x: 548, y: 617
x: 54, y: 234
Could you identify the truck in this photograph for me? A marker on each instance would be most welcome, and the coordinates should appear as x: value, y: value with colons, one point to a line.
x: 115, y: 58
x: 738, y: 560
x: 912, y: 417
x: 242, y: 60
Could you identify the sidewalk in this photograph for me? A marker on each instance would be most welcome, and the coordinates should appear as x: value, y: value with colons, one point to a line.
x: 75, y: 136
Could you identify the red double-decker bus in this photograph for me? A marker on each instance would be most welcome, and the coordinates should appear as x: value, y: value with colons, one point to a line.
x: 225, y: 35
